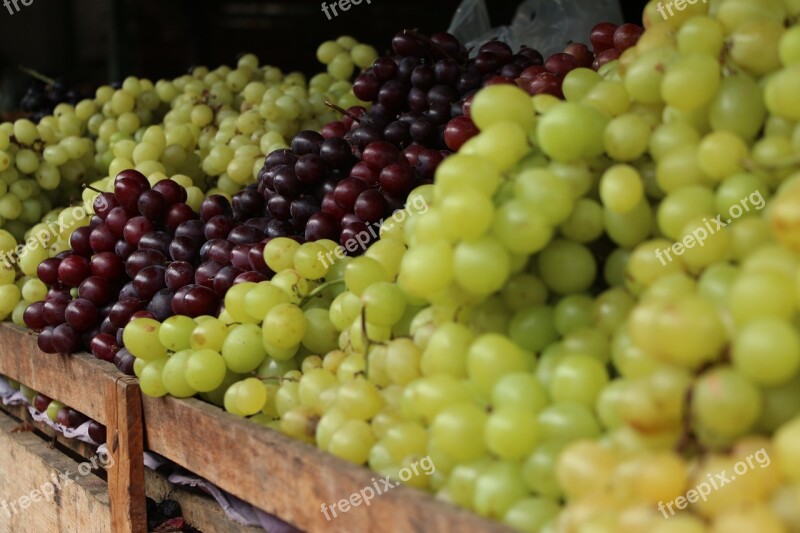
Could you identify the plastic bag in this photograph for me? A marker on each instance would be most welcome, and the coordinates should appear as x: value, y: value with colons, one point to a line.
x: 546, y: 25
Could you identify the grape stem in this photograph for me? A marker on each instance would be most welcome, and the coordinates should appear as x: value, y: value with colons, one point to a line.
x: 342, y: 110
x: 37, y: 75
x: 319, y: 289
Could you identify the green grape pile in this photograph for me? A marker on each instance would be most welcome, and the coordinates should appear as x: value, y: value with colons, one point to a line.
x: 525, y: 332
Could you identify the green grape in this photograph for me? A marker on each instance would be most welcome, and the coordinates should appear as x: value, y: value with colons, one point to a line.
x: 611, y: 309
x: 679, y: 168
x: 175, y: 333
x: 531, y: 515
x: 328, y: 424
x: 733, y: 189
x: 626, y: 137
x: 578, y: 379
x: 739, y: 107
x: 721, y: 154
x: 205, y: 370
x: 384, y: 303
x: 558, y: 138
x: 621, y: 188
x: 173, y: 375
x: 498, y: 488
x: 578, y: 82
x: 533, y: 328
x: 236, y: 303
x: 141, y: 338
x: 681, y: 206
x: 279, y: 253
x: 359, y: 399
x: 458, y: 431
x: 402, y: 361
x: 466, y: 214
x: 754, y: 46
x: 462, y: 170
x: 34, y: 290
x: 260, y: 299
x: 609, y: 403
x: 321, y: 335
x: 490, y: 357
x: 312, y: 385
x: 446, y: 351
x: 519, y: 390
x: 567, y: 422
x: 243, y: 349
x: 208, y: 334
x: 473, y: 269
x: 644, y: 76
x: 520, y: 228
x: 523, y: 290
x: 426, y: 269
x: 389, y: 253
x: 511, y: 432
x: 251, y: 397
x: 284, y: 326
x: 766, y: 351
x: 308, y: 261
x: 352, y: 441
x: 567, y: 267
x: 344, y: 309
x: 724, y: 403
x: 544, y: 192
x: 585, y: 224
x: 150, y: 377
x: 502, y: 104
x: 584, y: 468
x: 363, y: 272
x: 293, y: 284
x: 760, y: 295
x: 423, y: 399
x: 608, y: 96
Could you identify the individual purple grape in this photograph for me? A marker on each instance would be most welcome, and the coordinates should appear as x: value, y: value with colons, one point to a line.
x: 320, y: 226
x: 149, y: 281
x: 81, y: 314
x: 161, y: 305
x: 178, y: 274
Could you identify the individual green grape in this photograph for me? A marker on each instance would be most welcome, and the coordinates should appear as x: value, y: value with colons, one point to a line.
x: 279, y: 253
x: 681, y: 206
x: 754, y: 46
x: 426, y: 269
x: 533, y: 328
x: 352, y: 441
x: 609, y: 96
x: 34, y: 290
x: 585, y: 224
x: 538, y: 470
x: 9, y: 298
x: 389, y: 253
x: 760, y: 295
x: 284, y: 326
x: 520, y: 390
x: 511, y: 432
x: 578, y: 82
x: 205, y: 370
x: 503, y: 143
x: 173, y: 375
x: 561, y: 142
x: 725, y: 404
x: 446, y: 351
x: 626, y: 137
x: 260, y: 299
x: 308, y: 261
x: 175, y: 333
x: 702, y: 35
x: 721, y: 154
x: 578, y: 379
x: 786, y: 450
x: 492, y: 356
x: 141, y: 338
x: 499, y: 104
x: 644, y: 76
x: 520, y: 229
x: 481, y: 266
x: 150, y: 377
x: 567, y: 422
x: 243, y: 349
x: 251, y: 397
x: 403, y: 361
x: 384, y: 303
x: 363, y: 272
x: 344, y: 309
x: 466, y: 214
x: 766, y: 351
x: 522, y: 290
x: 621, y: 188
x: 544, y: 192
x: 208, y: 334
x: 498, y: 488
x: 567, y: 267
x: 739, y: 107
x: 321, y: 335
x: 458, y: 431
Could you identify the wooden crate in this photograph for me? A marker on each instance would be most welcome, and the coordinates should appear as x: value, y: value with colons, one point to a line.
x: 288, y: 478
x: 99, y: 391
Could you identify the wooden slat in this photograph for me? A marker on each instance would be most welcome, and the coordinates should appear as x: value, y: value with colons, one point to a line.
x: 288, y: 478
x: 98, y: 390
x: 28, y: 463
x: 124, y: 439
x: 76, y: 380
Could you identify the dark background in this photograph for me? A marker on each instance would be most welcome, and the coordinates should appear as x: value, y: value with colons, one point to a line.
x: 97, y: 41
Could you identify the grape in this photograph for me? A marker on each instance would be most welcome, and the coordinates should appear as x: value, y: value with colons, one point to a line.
x: 242, y: 349
x: 141, y: 338
x: 204, y: 370
x: 173, y: 375
x: 725, y: 403
x: 767, y: 352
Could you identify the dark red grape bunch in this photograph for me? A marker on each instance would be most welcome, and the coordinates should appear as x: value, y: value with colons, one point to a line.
x: 609, y: 41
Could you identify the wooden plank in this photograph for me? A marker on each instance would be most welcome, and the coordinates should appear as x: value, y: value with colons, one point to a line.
x: 124, y: 439
x: 28, y: 463
x: 21, y: 414
x: 75, y: 380
x: 288, y: 478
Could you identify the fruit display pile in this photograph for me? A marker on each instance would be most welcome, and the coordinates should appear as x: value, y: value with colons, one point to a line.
x: 572, y: 283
